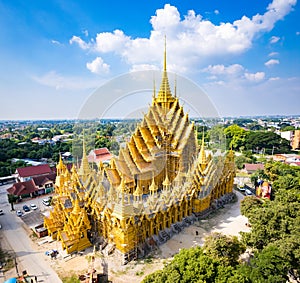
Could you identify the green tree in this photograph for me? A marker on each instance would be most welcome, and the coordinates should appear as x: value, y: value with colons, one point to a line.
x: 217, y: 139
x: 284, y: 128
x: 250, y: 204
x: 235, y: 136
x: 72, y: 279
x: 225, y: 249
x: 240, y: 161
x: 197, y: 265
x: 269, y: 266
x: 275, y: 224
x: 11, y: 199
x: 269, y: 142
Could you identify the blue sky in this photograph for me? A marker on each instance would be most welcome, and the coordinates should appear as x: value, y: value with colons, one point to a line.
x: 245, y: 55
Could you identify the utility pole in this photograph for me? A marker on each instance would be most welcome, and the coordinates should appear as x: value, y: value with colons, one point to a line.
x: 16, y: 265
x: 273, y: 150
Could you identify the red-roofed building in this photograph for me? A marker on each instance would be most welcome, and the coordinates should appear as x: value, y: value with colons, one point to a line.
x: 38, y: 185
x: 99, y: 155
x: 45, y: 183
x: 251, y: 168
x: 27, y: 173
x: 23, y: 189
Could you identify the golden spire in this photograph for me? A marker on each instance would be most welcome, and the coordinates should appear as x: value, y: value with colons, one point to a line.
x: 202, y: 151
x: 165, y: 55
x: 76, y: 209
x: 74, y: 173
x: 166, y: 183
x: 138, y: 191
x: 196, y: 132
x: 164, y: 95
x: 122, y: 189
x: 231, y: 153
x: 60, y: 165
x: 175, y: 87
x: 84, y: 166
x: 73, y: 169
x: 153, y: 187
x: 154, y: 90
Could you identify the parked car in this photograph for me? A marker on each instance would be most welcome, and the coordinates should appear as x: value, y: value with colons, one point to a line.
x: 248, y: 192
x: 19, y: 213
x: 46, y: 201
x: 1, y: 212
x: 26, y: 208
x: 33, y: 206
x: 242, y: 189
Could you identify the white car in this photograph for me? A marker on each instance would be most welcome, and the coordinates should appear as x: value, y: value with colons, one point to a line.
x: 46, y: 201
x: 19, y: 213
x: 33, y: 206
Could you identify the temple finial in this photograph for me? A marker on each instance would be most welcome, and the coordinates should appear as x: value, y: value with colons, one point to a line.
x: 84, y: 166
x: 83, y: 143
x: 154, y: 91
x: 164, y: 96
x: 203, y: 160
x: 165, y: 55
x: 175, y: 87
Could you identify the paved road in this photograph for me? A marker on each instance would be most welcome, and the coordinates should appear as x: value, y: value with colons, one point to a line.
x: 16, y: 236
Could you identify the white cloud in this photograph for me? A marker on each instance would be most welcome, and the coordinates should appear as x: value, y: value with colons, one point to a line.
x: 297, y: 32
x: 82, y: 44
x: 98, y: 66
x: 274, y: 39
x: 55, y: 42
x: 255, y: 77
x: 191, y: 39
x: 57, y: 81
x: 217, y: 12
x: 273, y: 54
x: 143, y: 67
x: 272, y: 62
x: 111, y: 42
x: 223, y: 70
x: 274, y: 79
x: 235, y: 75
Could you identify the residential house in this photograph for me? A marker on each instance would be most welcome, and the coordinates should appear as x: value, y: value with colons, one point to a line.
x: 293, y: 137
x: 27, y: 173
x: 23, y: 189
x: 251, y: 168
x: 38, y: 185
x: 291, y: 159
x: 33, y: 181
x: 280, y: 157
x: 45, y: 183
x: 100, y: 155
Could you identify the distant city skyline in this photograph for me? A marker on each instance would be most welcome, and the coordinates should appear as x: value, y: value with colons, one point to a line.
x: 244, y: 56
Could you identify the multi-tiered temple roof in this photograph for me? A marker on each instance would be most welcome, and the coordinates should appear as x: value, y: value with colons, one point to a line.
x: 160, y: 182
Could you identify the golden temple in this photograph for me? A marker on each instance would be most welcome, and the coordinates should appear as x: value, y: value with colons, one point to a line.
x: 160, y: 182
